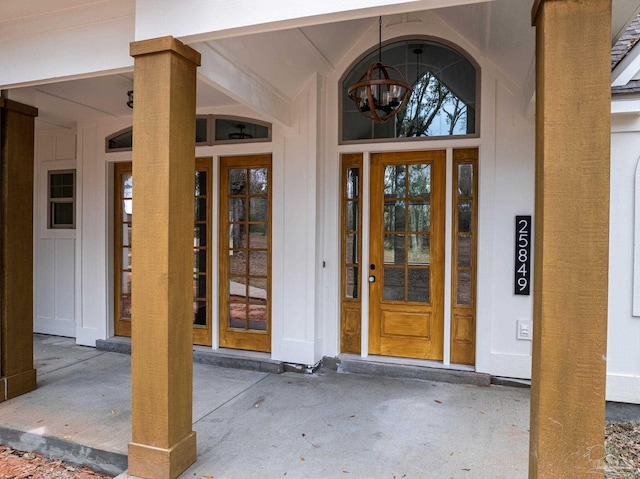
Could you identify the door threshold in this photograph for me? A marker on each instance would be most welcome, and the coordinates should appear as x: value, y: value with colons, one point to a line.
x: 407, y: 368
x: 226, y: 358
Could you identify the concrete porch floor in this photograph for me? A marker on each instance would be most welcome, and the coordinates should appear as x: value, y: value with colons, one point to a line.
x: 253, y: 424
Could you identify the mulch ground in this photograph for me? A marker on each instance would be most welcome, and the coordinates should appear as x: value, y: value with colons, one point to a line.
x: 29, y: 465
x: 621, y: 461
x: 622, y: 450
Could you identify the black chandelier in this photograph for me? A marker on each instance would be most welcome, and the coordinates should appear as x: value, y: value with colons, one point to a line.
x: 382, y: 91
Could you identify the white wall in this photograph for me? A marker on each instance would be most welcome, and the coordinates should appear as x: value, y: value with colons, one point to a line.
x: 53, y: 249
x: 623, y: 355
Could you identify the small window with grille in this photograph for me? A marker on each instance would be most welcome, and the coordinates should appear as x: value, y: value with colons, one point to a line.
x: 62, y: 199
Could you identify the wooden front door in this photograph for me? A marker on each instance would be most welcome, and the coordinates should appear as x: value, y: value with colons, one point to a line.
x: 201, y: 251
x: 245, y: 252
x: 406, y: 270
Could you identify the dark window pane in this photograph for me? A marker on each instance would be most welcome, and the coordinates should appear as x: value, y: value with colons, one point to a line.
x: 238, y: 236
x: 237, y: 262
x: 351, y: 249
x: 122, y: 140
x: 258, y: 181
x: 463, y: 295
x: 200, y: 313
x: 62, y: 214
x: 237, y: 182
x: 394, y: 249
x: 199, y: 235
x: 238, y: 315
x: 352, y: 281
x: 352, y: 216
x: 238, y: 129
x: 125, y: 306
x: 258, y: 290
x: 394, y: 213
x: 126, y: 258
x: 258, y: 263
x: 257, y: 317
x: 258, y: 236
x: 238, y: 289
x: 418, y: 288
x: 127, y: 185
x: 465, y: 212
x: 202, y: 131
x: 61, y: 185
x: 419, y: 216
x: 394, y: 181
x: 464, y: 251
x: 257, y: 209
x: 199, y: 286
x: 201, y: 183
x: 393, y: 284
x: 201, y: 209
x: 125, y: 282
x: 237, y: 208
x: 200, y: 260
x: 465, y: 179
x: 419, y: 180
x: 419, y: 252
x: 353, y: 182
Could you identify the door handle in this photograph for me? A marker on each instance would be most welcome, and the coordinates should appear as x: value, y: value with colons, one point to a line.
x: 372, y: 279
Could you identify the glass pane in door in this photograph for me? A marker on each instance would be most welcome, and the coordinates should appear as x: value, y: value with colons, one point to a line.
x: 407, y: 224
x: 245, y: 257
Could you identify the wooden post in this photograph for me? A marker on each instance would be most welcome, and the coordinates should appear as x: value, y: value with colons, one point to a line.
x: 17, y: 374
x: 573, y: 135
x: 163, y: 443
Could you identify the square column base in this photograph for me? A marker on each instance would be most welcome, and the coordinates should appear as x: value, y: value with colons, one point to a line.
x: 150, y: 462
x: 17, y: 384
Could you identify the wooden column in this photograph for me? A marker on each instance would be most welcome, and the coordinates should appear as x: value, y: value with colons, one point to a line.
x: 163, y: 443
x: 573, y: 135
x: 17, y: 374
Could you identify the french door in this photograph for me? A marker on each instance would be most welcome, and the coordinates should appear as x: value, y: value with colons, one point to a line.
x: 406, y: 270
x: 201, y: 251
x: 245, y: 253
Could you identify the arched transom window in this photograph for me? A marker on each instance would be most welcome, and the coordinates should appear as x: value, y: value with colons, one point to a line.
x: 445, y: 86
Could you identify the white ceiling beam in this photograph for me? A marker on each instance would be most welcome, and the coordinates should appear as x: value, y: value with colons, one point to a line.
x: 202, y: 20
x: 324, y: 65
x: 242, y: 85
x: 628, y: 68
x: 625, y: 107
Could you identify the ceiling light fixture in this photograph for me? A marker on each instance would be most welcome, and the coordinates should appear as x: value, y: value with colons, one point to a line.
x: 382, y: 91
x: 241, y: 135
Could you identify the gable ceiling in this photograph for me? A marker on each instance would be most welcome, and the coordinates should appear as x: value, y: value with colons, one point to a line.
x: 499, y: 30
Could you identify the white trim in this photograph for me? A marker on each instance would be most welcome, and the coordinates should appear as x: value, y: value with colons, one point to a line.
x: 510, y: 365
x: 365, y: 181
x: 625, y: 107
x: 636, y: 245
x: 623, y: 388
x: 448, y: 246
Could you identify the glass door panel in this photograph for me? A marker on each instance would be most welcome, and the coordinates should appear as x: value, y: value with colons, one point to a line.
x: 245, y: 255
x: 201, y: 251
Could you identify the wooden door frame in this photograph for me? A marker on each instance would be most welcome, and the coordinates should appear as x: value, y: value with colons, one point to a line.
x: 228, y: 337
x: 202, y: 335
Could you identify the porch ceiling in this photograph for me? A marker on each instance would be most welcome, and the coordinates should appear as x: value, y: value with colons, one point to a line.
x: 279, y: 63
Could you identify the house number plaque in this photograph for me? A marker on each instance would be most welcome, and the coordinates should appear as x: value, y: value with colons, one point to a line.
x: 523, y: 255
